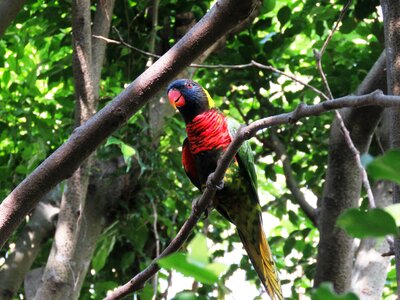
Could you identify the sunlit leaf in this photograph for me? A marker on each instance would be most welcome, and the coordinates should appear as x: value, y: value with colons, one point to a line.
x: 373, y: 223
x: 325, y: 292
x: 186, y: 296
x: 268, y: 5
x: 394, y: 211
x: 386, y: 166
x: 198, y: 249
x: 192, y: 268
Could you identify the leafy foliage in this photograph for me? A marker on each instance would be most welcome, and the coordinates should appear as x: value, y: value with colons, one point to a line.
x: 37, y: 109
x: 195, y: 263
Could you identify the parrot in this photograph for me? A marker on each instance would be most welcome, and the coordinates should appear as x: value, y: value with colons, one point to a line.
x: 209, y: 133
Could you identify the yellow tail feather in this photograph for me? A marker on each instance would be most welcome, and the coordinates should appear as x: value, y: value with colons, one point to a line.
x: 261, y: 258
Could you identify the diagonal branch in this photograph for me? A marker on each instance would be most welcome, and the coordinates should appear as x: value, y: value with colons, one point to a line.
x: 224, y: 15
x: 245, y: 133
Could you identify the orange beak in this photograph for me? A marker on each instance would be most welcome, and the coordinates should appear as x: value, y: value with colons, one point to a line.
x: 176, y: 98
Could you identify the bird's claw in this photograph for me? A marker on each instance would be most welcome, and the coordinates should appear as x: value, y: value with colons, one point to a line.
x: 211, y: 184
x: 195, y: 208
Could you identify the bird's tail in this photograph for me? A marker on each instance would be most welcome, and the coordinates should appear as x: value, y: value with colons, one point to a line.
x: 261, y: 258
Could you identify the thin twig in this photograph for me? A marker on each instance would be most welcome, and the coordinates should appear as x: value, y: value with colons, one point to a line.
x: 157, y: 237
x: 251, y: 64
x: 245, y: 133
x: 335, y: 27
x: 318, y: 54
x: 346, y: 133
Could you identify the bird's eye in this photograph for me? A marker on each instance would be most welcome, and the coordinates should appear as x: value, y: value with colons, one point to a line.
x: 188, y: 85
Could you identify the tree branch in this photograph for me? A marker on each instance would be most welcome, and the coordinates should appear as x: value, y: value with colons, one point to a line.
x: 59, y: 277
x: 318, y: 54
x: 251, y: 64
x: 245, y: 133
x: 85, y: 139
x: 343, y: 183
x: 391, y: 14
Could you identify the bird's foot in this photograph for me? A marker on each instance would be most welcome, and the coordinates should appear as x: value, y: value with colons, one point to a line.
x: 211, y: 184
x: 195, y: 208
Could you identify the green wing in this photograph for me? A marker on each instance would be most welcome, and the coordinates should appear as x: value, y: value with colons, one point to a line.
x: 244, y: 156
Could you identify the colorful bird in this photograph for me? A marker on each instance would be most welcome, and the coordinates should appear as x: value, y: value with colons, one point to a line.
x: 209, y: 133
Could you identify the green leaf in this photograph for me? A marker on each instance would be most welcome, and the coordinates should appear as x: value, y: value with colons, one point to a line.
x: 319, y: 28
x: 105, y: 248
x: 113, y: 141
x: 195, y: 263
x: 186, y: 296
x: 289, y: 245
x: 147, y: 292
x: 386, y: 166
x: 284, y: 15
x: 192, y: 268
x: 198, y: 249
x: 394, y: 211
x: 217, y: 268
x: 127, y: 151
x: 268, y: 5
x: 373, y: 223
x: 325, y: 292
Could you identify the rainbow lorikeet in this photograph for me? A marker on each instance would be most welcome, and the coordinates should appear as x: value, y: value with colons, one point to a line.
x: 209, y: 133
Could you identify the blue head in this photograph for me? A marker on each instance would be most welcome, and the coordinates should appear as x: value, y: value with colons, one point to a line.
x: 189, y: 98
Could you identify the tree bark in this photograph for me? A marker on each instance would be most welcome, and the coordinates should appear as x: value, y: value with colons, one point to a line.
x: 343, y: 185
x: 391, y: 18
x: 39, y: 228
x: 8, y: 10
x: 104, y: 191
x: 86, y: 138
x: 370, y: 267
x: 62, y: 279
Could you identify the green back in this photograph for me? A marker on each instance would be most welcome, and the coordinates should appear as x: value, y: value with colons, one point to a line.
x: 244, y: 156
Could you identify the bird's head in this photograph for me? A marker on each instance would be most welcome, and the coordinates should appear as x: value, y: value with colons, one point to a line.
x: 189, y: 98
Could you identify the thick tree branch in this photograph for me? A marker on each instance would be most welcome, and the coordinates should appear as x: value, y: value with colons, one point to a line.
x: 59, y: 277
x: 343, y: 185
x: 391, y: 14
x: 86, y: 138
x: 245, y: 133
x: 101, y: 26
x: 104, y: 192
